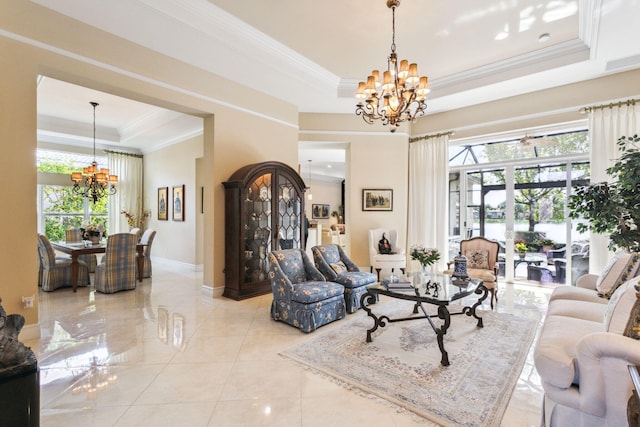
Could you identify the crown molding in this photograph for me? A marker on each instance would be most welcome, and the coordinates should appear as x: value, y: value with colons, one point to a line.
x: 539, y: 60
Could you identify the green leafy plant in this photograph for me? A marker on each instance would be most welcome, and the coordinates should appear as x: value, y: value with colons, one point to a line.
x: 613, y: 207
x: 425, y: 256
x: 521, y: 247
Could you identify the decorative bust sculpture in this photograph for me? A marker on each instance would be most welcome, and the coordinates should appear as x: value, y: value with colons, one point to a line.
x: 384, y: 247
x: 15, y: 357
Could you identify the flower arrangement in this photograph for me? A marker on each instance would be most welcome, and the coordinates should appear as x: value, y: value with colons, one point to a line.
x: 425, y: 256
x: 89, y: 230
x: 136, y: 222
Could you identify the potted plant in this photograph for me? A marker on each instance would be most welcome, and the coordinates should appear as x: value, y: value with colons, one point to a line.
x: 521, y: 248
x: 612, y: 207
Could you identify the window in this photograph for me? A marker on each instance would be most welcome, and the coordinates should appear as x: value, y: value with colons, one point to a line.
x: 59, y: 207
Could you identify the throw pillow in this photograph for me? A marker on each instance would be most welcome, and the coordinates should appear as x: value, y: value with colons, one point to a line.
x: 477, y: 258
x: 623, y: 311
x: 619, y: 269
x: 338, y: 267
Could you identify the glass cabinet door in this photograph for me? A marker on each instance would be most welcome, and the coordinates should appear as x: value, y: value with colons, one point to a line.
x: 258, y: 229
x: 288, y: 214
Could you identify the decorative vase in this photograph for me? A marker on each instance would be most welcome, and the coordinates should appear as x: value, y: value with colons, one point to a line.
x: 522, y: 255
x: 94, y: 239
x: 427, y: 272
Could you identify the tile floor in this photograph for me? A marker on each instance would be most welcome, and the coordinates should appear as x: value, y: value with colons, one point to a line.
x: 168, y: 354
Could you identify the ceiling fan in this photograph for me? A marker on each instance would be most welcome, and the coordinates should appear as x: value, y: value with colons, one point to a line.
x: 536, y: 141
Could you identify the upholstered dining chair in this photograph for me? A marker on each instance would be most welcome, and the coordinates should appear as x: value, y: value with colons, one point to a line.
x: 335, y: 266
x: 147, y: 239
x: 482, y: 262
x: 378, y: 261
x: 75, y: 235
x: 56, y: 271
x: 301, y: 295
x: 117, y: 271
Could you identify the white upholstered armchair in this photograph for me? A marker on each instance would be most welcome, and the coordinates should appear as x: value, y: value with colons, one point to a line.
x: 378, y: 261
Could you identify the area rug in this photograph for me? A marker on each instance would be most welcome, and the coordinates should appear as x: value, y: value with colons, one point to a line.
x: 402, y: 363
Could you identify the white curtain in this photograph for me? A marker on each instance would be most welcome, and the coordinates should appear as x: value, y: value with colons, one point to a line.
x: 128, y: 168
x: 606, y: 126
x: 429, y: 195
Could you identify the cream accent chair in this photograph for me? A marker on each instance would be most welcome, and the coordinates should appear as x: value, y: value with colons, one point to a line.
x: 482, y: 262
x: 397, y: 259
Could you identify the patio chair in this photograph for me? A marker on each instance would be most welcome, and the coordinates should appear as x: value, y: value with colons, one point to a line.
x: 117, y: 271
x: 335, y: 266
x: 56, y: 271
x: 379, y: 261
x: 147, y: 240
x: 301, y: 295
x: 75, y: 235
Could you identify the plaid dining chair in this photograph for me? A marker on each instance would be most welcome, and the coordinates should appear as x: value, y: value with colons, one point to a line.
x: 56, y: 272
x: 75, y: 235
x: 117, y: 271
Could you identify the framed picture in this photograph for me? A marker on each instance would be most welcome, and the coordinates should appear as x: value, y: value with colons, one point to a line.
x: 319, y: 211
x: 163, y: 194
x: 178, y: 203
x: 377, y: 200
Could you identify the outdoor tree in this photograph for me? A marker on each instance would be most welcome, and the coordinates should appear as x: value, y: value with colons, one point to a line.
x: 612, y: 206
x: 536, y: 203
x: 61, y: 200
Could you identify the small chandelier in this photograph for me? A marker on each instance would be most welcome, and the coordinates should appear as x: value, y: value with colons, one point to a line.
x: 402, y: 94
x: 91, y: 182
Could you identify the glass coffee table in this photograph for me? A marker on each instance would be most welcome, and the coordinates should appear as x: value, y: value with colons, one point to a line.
x: 438, y: 290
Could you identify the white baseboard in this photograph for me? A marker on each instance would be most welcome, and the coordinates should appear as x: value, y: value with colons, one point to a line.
x: 171, y: 263
x: 213, y: 292
x: 30, y: 332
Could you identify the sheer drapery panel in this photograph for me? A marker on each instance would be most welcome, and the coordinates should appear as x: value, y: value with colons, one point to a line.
x: 429, y: 195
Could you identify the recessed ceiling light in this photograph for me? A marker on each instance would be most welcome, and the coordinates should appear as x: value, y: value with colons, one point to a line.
x: 329, y: 166
x: 544, y: 37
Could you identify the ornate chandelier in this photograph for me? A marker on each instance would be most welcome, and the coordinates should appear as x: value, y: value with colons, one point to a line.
x: 91, y: 182
x: 401, y: 95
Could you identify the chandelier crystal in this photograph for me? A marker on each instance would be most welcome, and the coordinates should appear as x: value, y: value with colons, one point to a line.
x: 401, y: 96
x: 92, y: 182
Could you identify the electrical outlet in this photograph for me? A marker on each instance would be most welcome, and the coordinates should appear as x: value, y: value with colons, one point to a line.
x: 27, y: 302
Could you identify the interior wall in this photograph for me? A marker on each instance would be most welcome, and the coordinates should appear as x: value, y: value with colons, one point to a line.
x: 240, y: 126
x: 18, y: 254
x: 375, y: 159
x: 199, y: 237
x: 324, y: 193
x: 172, y: 166
x: 551, y: 106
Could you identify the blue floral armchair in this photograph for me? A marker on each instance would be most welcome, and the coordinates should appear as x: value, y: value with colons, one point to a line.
x: 301, y: 295
x: 334, y: 264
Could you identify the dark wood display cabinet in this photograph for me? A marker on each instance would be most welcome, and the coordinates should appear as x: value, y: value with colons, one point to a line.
x: 264, y: 211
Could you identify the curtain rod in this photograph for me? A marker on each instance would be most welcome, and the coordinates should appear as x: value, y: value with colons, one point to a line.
x: 628, y: 102
x: 435, y: 135
x: 124, y: 154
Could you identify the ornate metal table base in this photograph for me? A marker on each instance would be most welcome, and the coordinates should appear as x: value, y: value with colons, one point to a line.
x: 443, y: 313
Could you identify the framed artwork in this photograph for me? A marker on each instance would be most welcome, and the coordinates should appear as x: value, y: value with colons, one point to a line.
x: 377, y: 200
x: 178, y: 203
x: 319, y: 211
x: 163, y: 194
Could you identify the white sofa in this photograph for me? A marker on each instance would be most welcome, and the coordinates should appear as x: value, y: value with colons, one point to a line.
x: 585, y: 345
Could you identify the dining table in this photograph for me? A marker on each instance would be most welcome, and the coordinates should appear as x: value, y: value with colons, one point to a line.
x: 75, y: 249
